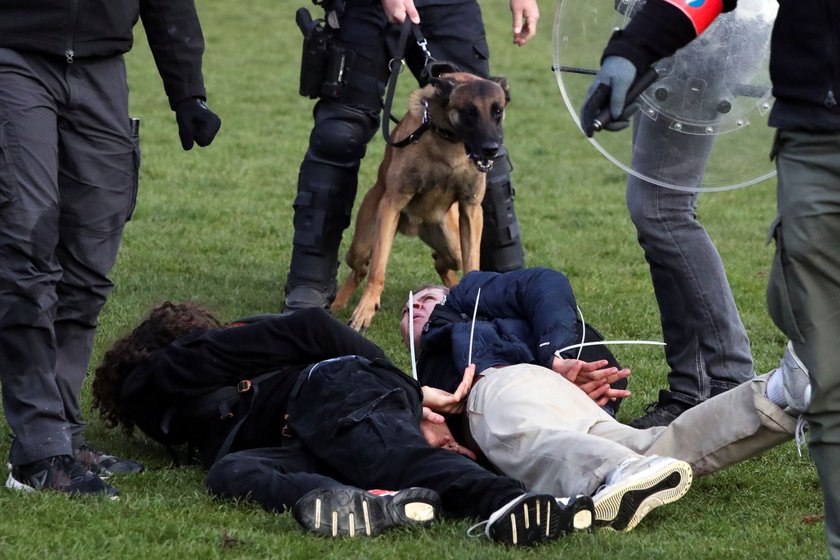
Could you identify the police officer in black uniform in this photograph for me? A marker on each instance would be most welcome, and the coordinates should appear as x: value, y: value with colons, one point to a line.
x: 363, y: 36
x: 69, y: 157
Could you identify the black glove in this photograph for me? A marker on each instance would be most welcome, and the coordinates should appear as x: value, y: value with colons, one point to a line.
x: 609, y: 89
x: 196, y: 122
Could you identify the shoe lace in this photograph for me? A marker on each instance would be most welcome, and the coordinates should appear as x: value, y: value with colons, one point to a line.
x: 482, y: 525
x: 799, y: 433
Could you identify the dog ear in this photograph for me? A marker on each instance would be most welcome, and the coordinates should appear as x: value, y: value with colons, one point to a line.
x: 502, y: 81
x: 443, y: 89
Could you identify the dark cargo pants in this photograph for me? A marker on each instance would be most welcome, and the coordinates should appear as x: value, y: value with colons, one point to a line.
x: 804, y: 291
x: 358, y: 422
x: 68, y: 181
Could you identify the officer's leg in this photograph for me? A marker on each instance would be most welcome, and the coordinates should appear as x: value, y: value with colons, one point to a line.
x: 802, y: 292
x: 501, y: 244
x: 98, y: 184
x: 326, y: 190
x: 329, y: 173
x: 29, y: 269
x: 707, y: 346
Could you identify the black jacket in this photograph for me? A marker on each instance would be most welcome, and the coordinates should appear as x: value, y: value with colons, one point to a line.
x: 84, y: 28
x: 161, y: 394
x: 805, y: 65
x: 804, y: 56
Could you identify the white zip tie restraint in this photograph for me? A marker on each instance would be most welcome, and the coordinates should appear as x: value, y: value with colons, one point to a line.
x: 582, y: 331
x: 472, y: 327
x: 411, y: 333
x: 605, y: 342
x: 581, y: 344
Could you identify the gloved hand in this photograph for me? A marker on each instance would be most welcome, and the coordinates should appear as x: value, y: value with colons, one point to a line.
x: 196, y: 122
x: 609, y: 89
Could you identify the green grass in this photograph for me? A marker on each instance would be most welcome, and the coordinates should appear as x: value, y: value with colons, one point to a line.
x: 215, y: 225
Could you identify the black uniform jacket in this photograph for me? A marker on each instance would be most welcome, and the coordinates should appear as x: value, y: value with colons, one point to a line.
x: 84, y: 28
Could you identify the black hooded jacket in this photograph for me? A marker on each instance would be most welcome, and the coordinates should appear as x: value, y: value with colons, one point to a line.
x: 161, y: 395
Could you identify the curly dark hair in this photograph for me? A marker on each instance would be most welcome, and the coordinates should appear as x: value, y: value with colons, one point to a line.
x: 164, y: 324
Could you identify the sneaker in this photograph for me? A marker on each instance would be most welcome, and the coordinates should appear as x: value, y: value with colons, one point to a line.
x: 660, y: 413
x: 796, y: 382
x: 348, y: 511
x: 636, y: 487
x: 61, y: 473
x: 103, y: 464
x: 530, y: 519
x: 576, y: 514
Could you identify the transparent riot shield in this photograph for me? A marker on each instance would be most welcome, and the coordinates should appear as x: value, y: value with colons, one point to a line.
x: 702, y: 126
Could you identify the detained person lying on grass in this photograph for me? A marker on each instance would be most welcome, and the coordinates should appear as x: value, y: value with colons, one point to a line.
x: 299, y: 412
x: 543, y: 414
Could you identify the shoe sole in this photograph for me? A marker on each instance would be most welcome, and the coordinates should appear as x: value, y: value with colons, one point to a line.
x: 536, y: 519
x: 14, y: 484
x: 350, y: 512
x: 623, y: 508
x: 577, y: 515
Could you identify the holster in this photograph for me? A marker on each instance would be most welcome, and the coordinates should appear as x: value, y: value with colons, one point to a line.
x: 313, y: 63
x: 323, y: 65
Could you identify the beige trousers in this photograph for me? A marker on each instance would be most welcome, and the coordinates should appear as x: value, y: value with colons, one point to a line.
x: 539, y: 428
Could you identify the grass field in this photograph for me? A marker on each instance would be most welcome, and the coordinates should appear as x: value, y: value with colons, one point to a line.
x: 214, y: 225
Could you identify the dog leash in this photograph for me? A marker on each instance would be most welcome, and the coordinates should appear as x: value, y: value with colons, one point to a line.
x: 396, y: 67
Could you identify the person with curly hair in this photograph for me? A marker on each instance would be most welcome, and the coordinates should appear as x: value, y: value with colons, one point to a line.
x: 300, y: 412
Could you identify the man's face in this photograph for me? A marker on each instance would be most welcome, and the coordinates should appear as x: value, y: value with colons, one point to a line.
x: 423, y: 304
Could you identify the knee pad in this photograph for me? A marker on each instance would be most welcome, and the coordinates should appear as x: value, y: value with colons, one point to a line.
x: 340, y: 135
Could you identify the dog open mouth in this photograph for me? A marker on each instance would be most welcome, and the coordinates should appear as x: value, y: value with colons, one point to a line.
x: 482, y: 164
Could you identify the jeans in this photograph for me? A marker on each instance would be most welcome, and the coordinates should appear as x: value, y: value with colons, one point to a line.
x: 707, y: 348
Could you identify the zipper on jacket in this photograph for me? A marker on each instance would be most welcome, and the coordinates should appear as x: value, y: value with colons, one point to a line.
x: 72, y: 20
x: 830, y: 100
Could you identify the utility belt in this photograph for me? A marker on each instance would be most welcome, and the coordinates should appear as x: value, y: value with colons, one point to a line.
x: 325, y: 65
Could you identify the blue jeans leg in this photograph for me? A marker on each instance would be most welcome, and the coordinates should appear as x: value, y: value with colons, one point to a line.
x: 707, y: 346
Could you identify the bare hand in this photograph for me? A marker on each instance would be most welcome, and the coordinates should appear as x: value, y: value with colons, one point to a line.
x: 396, y: 10
x: 438, y: 400
x: 592, y: 378
x: 438, y: 435
x: 526, y: 14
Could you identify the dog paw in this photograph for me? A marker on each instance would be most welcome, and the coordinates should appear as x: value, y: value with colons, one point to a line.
x: 360, y: 322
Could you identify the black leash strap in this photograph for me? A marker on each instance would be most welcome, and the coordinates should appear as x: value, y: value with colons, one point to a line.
x: 396, y: 67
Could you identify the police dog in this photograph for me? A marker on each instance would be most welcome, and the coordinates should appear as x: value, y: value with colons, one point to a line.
x: 431, y: 188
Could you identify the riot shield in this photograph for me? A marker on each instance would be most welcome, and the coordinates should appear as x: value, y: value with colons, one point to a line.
x: 702, y: 126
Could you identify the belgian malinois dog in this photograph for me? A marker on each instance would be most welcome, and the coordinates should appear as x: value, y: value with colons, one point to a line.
x: 432, y: 187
